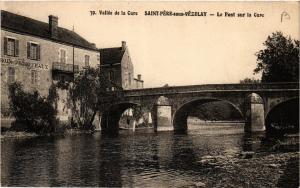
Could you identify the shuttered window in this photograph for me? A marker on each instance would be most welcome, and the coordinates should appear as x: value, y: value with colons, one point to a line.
x: 33, y: 51
x: 11, y: 75
x: 63, y: 56
x: 87, y: 60
x: 34, y: 77
x: 11, y: 46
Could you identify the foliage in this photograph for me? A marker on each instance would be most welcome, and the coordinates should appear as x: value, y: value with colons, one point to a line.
x: 279, y: 61
x: 53, y: 96
x: 216, y: 111
x: 88, y: 94
x: 33, y: 112
x: 137, y: 112
x: 61, y: 84
x: 250, y: 81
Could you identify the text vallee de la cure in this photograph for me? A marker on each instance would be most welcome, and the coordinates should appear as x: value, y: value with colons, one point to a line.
x: 228, y: 14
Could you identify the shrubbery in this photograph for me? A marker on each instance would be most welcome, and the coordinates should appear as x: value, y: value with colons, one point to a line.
x: 33, y: 112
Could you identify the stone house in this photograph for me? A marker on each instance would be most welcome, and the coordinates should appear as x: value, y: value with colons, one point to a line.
x: 117, y: 67
x: 36, y: 54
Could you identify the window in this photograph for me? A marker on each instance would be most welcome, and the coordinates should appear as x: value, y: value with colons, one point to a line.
x: 11, y: 75
x: 11, y: 46
x: 33, y: 51
x: 87, y: 60
x: 111, y: 76
x: 129, y: 78
x: 34, y: 77
x: 98, y: 57
x: 63, y: 56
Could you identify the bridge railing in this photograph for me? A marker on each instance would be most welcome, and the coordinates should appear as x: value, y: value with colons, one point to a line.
x: 213, y: 87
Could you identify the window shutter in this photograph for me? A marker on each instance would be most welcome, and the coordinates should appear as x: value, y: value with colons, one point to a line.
x: 38, y: 77
x: 28, y: 50
x: 38, y: 52
x: 17, y: 48
x: 14, y: 74
x: 5, y: 45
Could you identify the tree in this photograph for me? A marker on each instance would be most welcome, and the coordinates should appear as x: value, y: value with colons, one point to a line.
x: 89, y: 94
x: 83, y: 94
x: 279, y: 61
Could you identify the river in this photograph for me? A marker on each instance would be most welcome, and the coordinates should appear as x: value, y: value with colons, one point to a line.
x: 211, y: 156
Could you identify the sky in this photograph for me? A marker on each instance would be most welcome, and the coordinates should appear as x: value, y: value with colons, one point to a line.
x: 176, y: 50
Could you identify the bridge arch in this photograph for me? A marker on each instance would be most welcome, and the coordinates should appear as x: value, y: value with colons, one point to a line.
x: 110, y: 117
x: 284, y: 116
x: 180, y: 116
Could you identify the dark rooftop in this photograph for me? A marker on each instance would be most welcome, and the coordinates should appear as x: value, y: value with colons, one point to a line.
x: 30, y: 26
x: 111, y: 55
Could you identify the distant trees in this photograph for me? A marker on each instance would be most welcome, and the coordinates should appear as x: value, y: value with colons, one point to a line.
x: 216, y: 111
x: 249, y: 81
x: 279, y: 61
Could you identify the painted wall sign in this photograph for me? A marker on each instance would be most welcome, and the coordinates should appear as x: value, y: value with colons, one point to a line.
x: 24, y: 63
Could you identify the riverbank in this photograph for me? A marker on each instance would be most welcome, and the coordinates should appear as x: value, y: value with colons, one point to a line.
x: 271, y: 170
x: 17, y: 135
x: 21, y: 134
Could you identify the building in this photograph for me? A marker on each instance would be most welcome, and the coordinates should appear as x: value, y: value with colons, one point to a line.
x: 37, y: 54
x: 117, y: 67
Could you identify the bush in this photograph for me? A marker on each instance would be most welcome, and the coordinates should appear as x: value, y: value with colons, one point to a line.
x: 33, y: 112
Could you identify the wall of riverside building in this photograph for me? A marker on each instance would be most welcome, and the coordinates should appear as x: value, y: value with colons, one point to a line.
x: 49, y: 53
x: 116, y: 69
x: 79, y: 56
x: 127, y: 71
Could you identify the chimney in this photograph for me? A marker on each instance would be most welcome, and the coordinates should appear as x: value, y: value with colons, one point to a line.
x: 139, y: 77
x: 123, y: 45
x: 93, y: 44
x: 53, y: 25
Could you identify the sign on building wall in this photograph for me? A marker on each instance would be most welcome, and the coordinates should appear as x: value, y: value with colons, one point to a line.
x: 22, y: 62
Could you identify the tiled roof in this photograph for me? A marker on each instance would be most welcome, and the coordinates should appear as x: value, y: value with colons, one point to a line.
x: 111, y: 55
x: 30, y: 26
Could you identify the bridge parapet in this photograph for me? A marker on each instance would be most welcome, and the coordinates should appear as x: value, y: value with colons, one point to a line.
x: 213, y: 87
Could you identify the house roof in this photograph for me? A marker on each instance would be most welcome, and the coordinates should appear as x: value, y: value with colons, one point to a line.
x: 111, y: 55
x: 30, y: 26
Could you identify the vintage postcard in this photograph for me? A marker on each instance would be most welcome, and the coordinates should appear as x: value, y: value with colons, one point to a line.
x: 150, y: 93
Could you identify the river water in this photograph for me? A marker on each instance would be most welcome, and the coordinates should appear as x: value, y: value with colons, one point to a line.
x: 211, y: 156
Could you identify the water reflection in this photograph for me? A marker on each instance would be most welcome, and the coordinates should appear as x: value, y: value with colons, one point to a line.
x: 130, y: 159
x: 28, y: 162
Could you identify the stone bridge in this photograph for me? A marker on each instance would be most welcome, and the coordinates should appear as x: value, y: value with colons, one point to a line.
x: 170, y: 106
